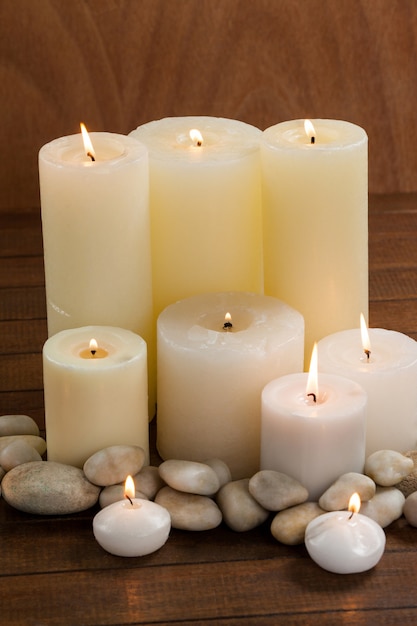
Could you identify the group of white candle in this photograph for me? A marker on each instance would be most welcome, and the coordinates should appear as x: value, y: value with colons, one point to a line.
x: 163, y: 233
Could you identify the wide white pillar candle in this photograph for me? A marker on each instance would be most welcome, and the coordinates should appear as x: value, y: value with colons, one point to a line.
x: 95, y: 396
x: 314, y: 442
x: 96, y: 235
x: 389, y: 377
x: 315, y: 199
x: 210, y: 378
x: 205, y: 197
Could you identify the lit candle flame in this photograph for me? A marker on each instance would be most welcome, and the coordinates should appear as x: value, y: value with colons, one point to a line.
x: 93, y: 346
x: 88, y: 146
x: 196, y: 137
x: 310, y: 130
x: 354, y: 503
x: 227, y: 322
x: 366, y: 343
x: 129, y: 489
x: 312, y: 380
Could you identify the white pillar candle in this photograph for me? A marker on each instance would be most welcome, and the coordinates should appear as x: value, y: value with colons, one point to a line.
x: 315, y: 198
x: 96, y: 234
x: 210, y: 379
x: 205, y: 207
x: 133, y: 527
x: 94, y: 397
x: 343, y: 542
x: 314, y: 442
x: 389, y: 377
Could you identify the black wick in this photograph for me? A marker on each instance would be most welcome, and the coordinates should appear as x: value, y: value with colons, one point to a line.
x: 313, y: 396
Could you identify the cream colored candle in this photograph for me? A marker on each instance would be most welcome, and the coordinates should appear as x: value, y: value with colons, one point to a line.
x: 95, y: 394
x: 316, y: 222
x: 205, y: 195
x: 96, y: 234
x: 212, y: 369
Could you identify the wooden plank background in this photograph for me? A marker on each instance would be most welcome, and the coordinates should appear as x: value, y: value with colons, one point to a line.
x: 115, y: 64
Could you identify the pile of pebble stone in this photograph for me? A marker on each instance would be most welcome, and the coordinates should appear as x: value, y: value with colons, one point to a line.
x: 198, y: 496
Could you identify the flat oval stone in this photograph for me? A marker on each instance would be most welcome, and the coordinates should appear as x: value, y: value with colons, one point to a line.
x: 241, y: 512
x: 410, y: 509
x: 289, y: 526
x: 48, y: 488
x: 16, y: 453
x: 190, y: 477
x: 385, y: 507
x: 189, y: 511
x: 36, y: 442
x: 409, y: 484
x: 388, y: 467
x: 113, y: 464
x: 222, y: 470
x: 148, y: 481
x: 18, y: 425
x: 337, y: 496
x: 275, y: 491
x: 114, y: 493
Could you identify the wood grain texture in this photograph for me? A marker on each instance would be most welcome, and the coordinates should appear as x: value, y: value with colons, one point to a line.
x: 115, y: 64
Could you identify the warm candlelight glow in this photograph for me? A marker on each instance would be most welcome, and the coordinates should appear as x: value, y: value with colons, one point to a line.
x: 129, y: 488
x: 196, y: 137
x: 93, y: 351
x: 88, y: 146
x: 310, y: 130
x: 93, y: 346
x: 312, y: 380
x: 366, y: 343
x: 227, y: 322
x: 354, y: 503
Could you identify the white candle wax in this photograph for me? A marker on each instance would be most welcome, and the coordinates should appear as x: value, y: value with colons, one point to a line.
x: 389, y: 377
x: 132, y: 528
x: 94, y: 400
x: 205, y: 207
x: 315, y: 199
x: 344, y: 543
x: 96, y: 234
x: 314, y: 442
x: 210, y: 380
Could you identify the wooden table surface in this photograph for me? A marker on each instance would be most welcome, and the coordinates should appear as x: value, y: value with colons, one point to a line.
x: 52, y: 571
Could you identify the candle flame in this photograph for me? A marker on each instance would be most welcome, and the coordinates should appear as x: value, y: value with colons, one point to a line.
x: 88, y: 146
x: 93, y: 346
x: 227, y: 322
x: 366, y: 343
x: 310, y: 130
x: 354, y: 503
x: 196, y: 137
x: 129, y: 488
x: 312, y: 380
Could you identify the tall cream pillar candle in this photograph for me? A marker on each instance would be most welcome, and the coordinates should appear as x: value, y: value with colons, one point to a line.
x: 96, y: 234
x: 211, y: 372
x: 95, y: 395
x: 316, y: 222
x: 205, y: 195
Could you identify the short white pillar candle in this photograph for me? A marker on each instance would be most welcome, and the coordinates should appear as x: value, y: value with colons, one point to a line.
x: 210, y: 378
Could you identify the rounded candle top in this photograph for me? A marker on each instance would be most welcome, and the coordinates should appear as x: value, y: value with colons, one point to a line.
x: 334, y: 134
x: 221, y: 139
x: 256, y: 322
x: 110, y: 148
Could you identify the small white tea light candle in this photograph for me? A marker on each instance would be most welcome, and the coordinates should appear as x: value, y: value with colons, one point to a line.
x: 384, y: 363
x: 205, y: 200
x: 315, y: 219
x: 345, y: 542
x: 95, y: 387
x: 132, y: 527
x: 313, y: 429
x: 212, y: 368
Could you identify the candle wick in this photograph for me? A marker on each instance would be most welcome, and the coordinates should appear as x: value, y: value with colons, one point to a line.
x: 199, y: 143
x: 368, y: 354
x: 91, y: 155
x: 93, y: 352
x: 129, y: 498
x: 312, y: 139
x: 227, y: 326
x: 313, y: 396
x: 351, y: 515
